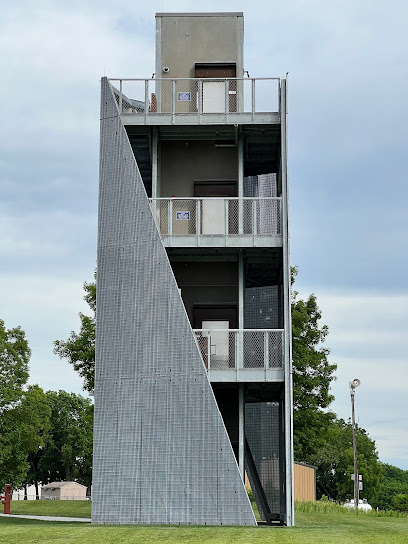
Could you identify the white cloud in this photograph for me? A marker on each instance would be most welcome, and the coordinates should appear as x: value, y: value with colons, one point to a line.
x: 368, y: 340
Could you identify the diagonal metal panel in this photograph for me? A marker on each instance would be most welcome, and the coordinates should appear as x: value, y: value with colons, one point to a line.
x: 161, y: 451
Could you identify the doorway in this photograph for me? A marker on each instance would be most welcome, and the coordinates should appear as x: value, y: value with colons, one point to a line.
x: 213, y: 216
x: 217, y: 344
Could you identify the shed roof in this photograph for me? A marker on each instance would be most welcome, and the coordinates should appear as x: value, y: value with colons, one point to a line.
x: 54, y: 485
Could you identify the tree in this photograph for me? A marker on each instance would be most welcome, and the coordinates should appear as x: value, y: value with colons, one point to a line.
x: 312, y: 376
x: 79, y: 349
x: 24, y: 414
x: 67, y: 454
x: 34, y: 417
x: 335, y: 463
x: 394, y: 481
x: 14, y: 357
x: 401, y: 502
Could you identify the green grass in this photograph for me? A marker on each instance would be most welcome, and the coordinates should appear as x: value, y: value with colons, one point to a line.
x: 315, y: 524
x: 74, y: 509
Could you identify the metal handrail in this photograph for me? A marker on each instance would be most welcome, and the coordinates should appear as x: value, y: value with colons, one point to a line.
x: 262, y: 216
x: 241, y: 353
x: 182, y: 95
x: 215, y: 198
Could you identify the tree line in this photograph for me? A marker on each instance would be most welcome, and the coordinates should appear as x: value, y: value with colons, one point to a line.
x: 47, y: 436
x: 44, y: 436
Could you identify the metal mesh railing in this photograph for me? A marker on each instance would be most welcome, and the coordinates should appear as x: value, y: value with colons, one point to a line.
x: 178, y: 96
x: 224, y: 349
x: 218, y: 216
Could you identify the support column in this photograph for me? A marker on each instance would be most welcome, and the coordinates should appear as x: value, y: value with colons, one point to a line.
x: 241, y: 430
x: 241, y: 290
x: 155, y: 165
x: 240, y: 183
x: 288, y: 398
x: 241, y: 391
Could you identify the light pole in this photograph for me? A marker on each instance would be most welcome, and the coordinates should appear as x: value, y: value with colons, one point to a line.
x: 355, y: 383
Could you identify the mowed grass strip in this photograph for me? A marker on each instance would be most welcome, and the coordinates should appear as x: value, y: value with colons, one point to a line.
x: 319, y: 526
x: 73, y: 509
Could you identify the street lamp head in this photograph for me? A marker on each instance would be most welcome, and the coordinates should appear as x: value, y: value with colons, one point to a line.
x: 355, y: 383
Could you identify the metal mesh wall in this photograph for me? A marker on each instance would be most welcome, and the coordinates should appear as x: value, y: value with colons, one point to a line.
x: 161, y: 451
x: 261, y: 307
x: 262, y: 434
x: 263, y: 185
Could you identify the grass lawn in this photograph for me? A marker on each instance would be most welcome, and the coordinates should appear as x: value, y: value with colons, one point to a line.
x: 74, y: 509
x: 319, y: 524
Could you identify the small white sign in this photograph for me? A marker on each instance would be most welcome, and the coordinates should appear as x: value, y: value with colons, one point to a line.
x: 184, y: 97
x: 183, y: 216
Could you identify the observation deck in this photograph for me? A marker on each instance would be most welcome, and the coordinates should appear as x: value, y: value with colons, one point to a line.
x: 196, y: 101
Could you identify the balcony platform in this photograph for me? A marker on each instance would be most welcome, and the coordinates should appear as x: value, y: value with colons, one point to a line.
x: 235, y: 240
x: 156, y: 119
x: 198, y: 101
x: 246, y: 375
x: 242, y: 355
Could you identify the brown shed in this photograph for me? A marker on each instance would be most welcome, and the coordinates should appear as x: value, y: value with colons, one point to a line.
x: 68, y: 491
x: 304, y: 477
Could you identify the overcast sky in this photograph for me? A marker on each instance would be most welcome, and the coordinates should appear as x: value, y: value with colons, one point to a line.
x: 348, y: 117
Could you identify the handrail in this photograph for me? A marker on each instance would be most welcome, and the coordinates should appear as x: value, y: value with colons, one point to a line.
x: 241, y: 349
x: 197, y: 96
x: 211, y: 216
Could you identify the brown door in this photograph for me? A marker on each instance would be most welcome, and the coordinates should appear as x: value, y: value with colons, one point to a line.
x: 213, y: 91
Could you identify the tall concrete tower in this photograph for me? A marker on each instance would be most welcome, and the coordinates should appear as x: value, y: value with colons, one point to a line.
x: 193, y: 369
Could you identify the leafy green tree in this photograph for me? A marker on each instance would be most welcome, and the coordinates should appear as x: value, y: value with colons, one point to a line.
x: 24, y: 413
x: 335, y: 462
x: 67, y: 454
x: 312, y: 376
x: 401, y: 502
x: 14, y: 358
x: 79, y: 349
x: 394, y: 481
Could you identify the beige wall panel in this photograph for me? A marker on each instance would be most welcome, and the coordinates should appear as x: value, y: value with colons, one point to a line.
x: 183, y: 162
x: 187, y: 40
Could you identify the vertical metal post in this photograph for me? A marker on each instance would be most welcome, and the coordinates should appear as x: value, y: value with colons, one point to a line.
x: 353, y: 422
x: 200, y: 101
x: 226, y: 222
x: 155, y: 188
x: 266, y: 350
x: 199, y: 221
x: 170, y: 217
x: 241, y: 290
x: 253, y: 98
x: 254, y: 219
x: 146, y: 109
x: 287, y: 324
x: 241, y: 430
x: 240, y: 184
x: 209, y: 350
x: 173, y: 100
x: 120, y: 97
x: 226, y: 100
x: 197, y: 215
x: 241, y: 294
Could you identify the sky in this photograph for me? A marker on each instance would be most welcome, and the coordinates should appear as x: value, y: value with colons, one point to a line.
x: 348, y: 117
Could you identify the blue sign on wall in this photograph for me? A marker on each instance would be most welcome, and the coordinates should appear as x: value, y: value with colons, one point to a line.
x: 184, y: 97
x: 183, y: 216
